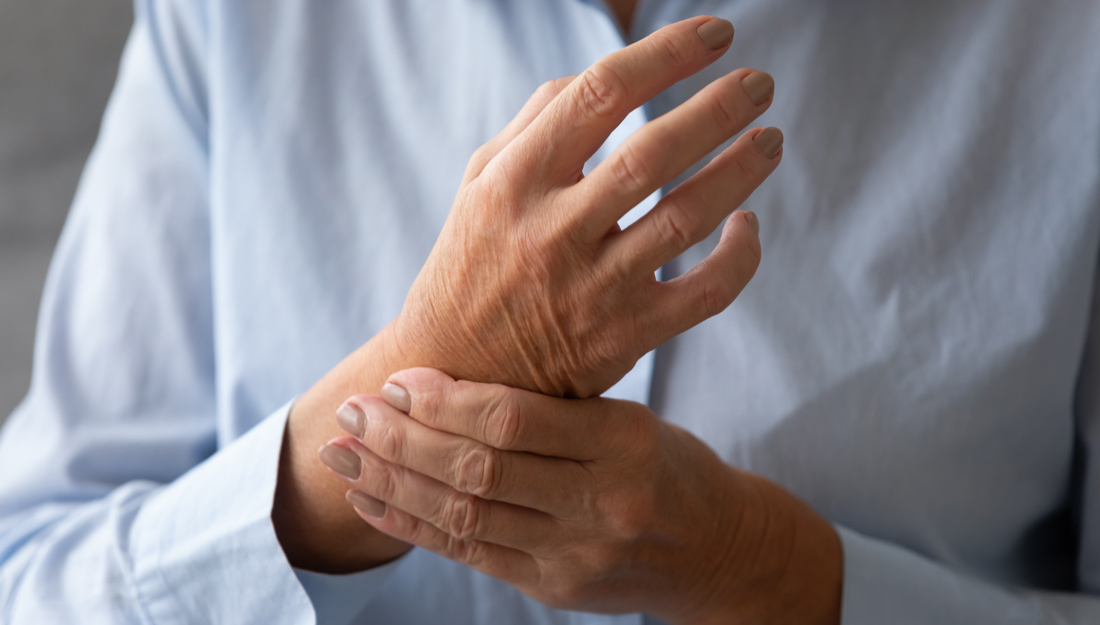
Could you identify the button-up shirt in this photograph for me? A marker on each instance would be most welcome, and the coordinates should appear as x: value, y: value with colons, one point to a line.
x: 916, y: 357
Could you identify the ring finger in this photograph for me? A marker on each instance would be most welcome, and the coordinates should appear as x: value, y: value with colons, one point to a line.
x: 461, y: 515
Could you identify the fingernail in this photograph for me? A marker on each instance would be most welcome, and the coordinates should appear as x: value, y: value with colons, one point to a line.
x: 352, y: 419
x: 770, y: 141
x: 397, y: 397
x: 759, y: 86
x: 341, y: 459
x: 369, y: 505
x: 717, y: 33
x: 754, y: 223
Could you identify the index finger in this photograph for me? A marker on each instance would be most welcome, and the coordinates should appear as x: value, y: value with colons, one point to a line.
x: 572, y: 127
x: 507, y: 418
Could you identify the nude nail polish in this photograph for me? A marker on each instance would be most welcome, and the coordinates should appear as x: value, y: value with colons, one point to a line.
x: 770, y: 141
x: 759, y: 86
x: 352, y: 419
x: 716, y: 34
x: 369, y: 505
x: 340, y: 459
x: 754, y: 223
x: 397, y: 397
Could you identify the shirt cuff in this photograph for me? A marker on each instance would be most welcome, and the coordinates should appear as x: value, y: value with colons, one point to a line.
x: 204, y: 548
x: 884, y: 583
x: 338, y: 599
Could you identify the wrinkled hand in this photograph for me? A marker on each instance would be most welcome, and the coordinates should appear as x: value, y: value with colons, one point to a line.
x: 589, y: 504
x: 532, y: 284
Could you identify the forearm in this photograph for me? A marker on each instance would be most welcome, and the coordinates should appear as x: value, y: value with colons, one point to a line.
x: 794, y: 557
x: 317, y: 529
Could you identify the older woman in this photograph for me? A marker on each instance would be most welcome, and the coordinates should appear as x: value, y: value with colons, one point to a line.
x: 294, y: 329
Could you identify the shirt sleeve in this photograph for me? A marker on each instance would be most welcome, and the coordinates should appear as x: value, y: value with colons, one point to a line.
x: 122, y: 499
x: 885, y: 583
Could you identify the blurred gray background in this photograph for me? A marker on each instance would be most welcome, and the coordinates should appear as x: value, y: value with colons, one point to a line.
x: 58, y: 60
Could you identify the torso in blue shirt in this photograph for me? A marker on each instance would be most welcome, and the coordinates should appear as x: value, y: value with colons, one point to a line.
x: 906, y: 359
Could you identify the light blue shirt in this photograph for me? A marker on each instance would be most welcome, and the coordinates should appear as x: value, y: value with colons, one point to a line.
x: 916, y: 357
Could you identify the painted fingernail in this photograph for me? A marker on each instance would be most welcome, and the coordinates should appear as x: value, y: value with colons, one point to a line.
x: 369, y: 505
x: 716, y: 34
x: 397, y: 397
x: 341, y: 459
x: 754, y: 223
x: 352, y: 418
x: 759, y: 86
x: 770, y: 141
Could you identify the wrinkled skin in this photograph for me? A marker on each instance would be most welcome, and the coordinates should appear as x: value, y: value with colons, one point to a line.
x: 532, y: 284
x: 583, y: 504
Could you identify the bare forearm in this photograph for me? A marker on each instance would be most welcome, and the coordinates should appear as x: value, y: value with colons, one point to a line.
x: 794, y: 556
x: 316, y: 527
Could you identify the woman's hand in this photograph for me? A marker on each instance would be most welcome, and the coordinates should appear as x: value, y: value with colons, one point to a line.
x: 532, y: 284
x: 589, y: 504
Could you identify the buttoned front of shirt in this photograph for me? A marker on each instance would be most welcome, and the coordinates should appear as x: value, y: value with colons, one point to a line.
x: 271, y: 176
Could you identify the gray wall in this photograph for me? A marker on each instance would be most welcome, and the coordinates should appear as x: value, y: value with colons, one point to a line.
x: 58, y: 60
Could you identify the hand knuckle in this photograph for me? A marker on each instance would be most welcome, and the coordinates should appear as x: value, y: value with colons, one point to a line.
x: 478, y: 470
x: 435, y: 403
x: 725, y: 111
x: 546, y: 91
x: 391, y: 440
x: 460, y: 516
x: 673, y: 50
x: 482, y: 154
x: 600, y: 90
x: 747, y: 168
x: 716, y: 296
x: 411, y: 528
x: 676, y: 224
x: 454, y: 548
x: 631, y: 169
x: 493, y: 190
x: 633, y: 517
x: 385, y: 479
x: 501, y: 427
x: 468, y: 552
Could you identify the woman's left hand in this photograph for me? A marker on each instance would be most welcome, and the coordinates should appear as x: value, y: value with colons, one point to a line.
x: 583, y: 504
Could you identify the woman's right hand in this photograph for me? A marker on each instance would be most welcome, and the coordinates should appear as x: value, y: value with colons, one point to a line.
x: 532, y: 284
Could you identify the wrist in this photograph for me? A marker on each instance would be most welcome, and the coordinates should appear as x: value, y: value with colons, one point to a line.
x: 316, y: 527
x: 784, y: 563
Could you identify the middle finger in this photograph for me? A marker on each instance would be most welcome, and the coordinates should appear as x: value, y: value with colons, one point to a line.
x: 668, y: 145
x: 552, y: 485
